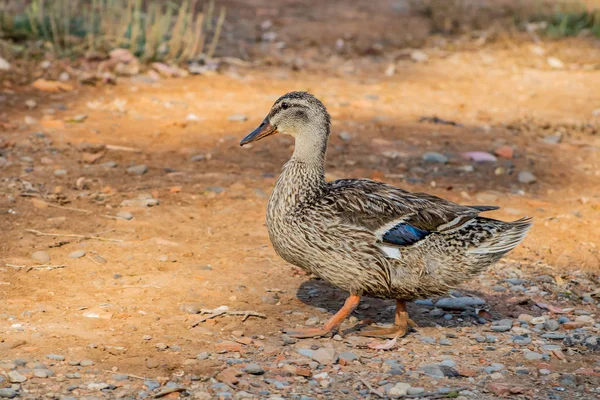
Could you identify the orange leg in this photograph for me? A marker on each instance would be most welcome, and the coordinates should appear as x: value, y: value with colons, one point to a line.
x: 400, y: 328
x: 330, y: 325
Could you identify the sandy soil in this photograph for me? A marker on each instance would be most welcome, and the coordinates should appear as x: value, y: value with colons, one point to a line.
x: 205, y: 245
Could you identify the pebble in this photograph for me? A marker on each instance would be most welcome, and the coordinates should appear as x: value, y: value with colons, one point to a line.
x: 151, y: 384
x: 124, y: 215
x: 419, y: 56
x: 97, y: 385
x: 137, y: 169
x: 77, y: 254
x: 41, y: 256
x: 15, y: 377
x: 347, y: 356
x: 552, y: 139
x: 532, y: 356
x: 563, y: 320
x: 325, y: 356
x: 499, y: 288
x: 254, y: 369
x: 502, y: 325
x: 445, y: 342
x: 433, y: 370
x: 42, y: 373
x: 399, y: 389
x: 109, y: 164
x: 345, y: 136
x: 237, y: 117
x: 448, y: 363
x: 433, y: 157
x: 198, y: 157
x: 203, y: 356
x: 55, y: 357
x: 551, y: 325
x: 86, y: 363
x: 8, y: 393
x: 414, y: 391
x: 152, y: 363
x: 428, y: 340
x: 459, y: 303
x: 527, y: 177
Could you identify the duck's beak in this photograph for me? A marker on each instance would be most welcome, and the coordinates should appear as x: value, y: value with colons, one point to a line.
x: 264, y: 129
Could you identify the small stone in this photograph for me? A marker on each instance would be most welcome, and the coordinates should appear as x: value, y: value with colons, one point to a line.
x: 496, y: 375
x: 551, y: 325
x: 137, y: 169
x: 325, y: 356
x: 459, y: 303
x: 448, y: 363
x: 78, y: 118
x: 552, y: 139
x: 15, y: 377
x: 434, y: 157
x: 433, y: 370
x: 77, y: 254
x: 203, y: 356
x: 124, y: 215
x: 109, y: 164
x: 254, y: 369
x: 527, y: 177
x: 499, y: 288
x: 414, y: 391
x: 86, y: 363
x: 237, y: 117
x: 97, y: 386
x: 585, y: 319
x: 445, y: 342
x: 505, y: 152
x: 532, y: 356
x: 345, y: 136
x: 152, y: 363
x: 4, y: 392
x: 555, y: 63
x: 399, y: 389
x: 428, y: 340
x: 42, y: 373
x: 419, y: 56
x: 347, y: 357
x: 41, y: 256
x: 55, y: 357
x: 31, y: 104
x: 198, y: 158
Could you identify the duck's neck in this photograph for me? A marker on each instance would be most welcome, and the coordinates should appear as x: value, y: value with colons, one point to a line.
x: 304, y: 174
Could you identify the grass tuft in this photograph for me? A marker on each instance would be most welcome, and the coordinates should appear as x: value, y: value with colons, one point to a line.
x: 153, y: 30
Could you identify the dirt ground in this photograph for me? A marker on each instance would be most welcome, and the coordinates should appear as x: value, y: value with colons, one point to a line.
x: 205, y: 244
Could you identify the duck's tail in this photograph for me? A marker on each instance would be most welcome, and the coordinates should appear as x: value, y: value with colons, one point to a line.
x: 505, y: 239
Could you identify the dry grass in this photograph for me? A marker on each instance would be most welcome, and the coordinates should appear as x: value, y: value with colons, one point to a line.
x: 152, y: 30
x: 556, y: 18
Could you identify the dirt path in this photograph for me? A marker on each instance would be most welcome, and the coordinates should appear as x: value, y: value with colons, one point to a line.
x: 126, y: 305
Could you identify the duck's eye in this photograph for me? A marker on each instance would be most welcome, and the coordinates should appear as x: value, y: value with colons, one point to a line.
x: 285, y: 105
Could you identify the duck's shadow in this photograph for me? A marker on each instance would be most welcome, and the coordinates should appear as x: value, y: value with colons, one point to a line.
x: 320, y: 294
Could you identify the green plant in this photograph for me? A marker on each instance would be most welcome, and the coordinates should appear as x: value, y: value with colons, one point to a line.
x: 151, y: 29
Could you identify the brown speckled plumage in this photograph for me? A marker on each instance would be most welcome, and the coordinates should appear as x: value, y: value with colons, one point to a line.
x: 344, y: 231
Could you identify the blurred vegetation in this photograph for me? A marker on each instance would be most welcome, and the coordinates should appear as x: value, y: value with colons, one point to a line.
x: 151, y: 29
x: 555, y: 18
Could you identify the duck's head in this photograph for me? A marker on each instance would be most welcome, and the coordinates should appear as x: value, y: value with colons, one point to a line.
x: 298, y: 114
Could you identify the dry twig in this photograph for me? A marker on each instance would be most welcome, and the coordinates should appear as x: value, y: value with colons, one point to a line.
x: 224, y: 310
x: 133, y: 376
x: 371, y: 390
x: 46, y: 267
x: 38, y: 233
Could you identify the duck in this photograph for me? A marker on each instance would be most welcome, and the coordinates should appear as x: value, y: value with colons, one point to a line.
x: 369, y: 238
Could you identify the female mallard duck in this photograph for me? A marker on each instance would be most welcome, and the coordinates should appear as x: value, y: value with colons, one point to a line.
x: 369, y: 238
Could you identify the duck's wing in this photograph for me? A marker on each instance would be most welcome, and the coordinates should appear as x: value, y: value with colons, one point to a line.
x: 394, y: 216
